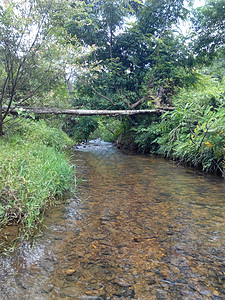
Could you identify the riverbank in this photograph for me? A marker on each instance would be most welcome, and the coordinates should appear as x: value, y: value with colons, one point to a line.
x: 197, y: 144
x: 192, y: 134
x: 34, y: 172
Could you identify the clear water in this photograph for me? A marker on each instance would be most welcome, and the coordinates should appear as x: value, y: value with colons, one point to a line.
x: 139, y: 228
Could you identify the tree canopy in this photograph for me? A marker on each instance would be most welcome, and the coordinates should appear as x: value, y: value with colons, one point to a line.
x: 139, y: 64
x: 103, y: 54
x: 209, y: 24
x: 31, y: 34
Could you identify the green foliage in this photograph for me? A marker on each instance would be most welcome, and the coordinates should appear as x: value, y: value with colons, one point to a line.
x: 156, y: 17
x: 32, y: 36
x: 33, y: 171
x: 81, y: 128
x: 209, y: 25
x: 217, y: 68
x: 194, y: 137
x: 100, y: 20
x: 194, y: 132
x: 171, y: 66
x: 145, y: 137
x: 210, y: 91
x: 29, y: 131
x: 143, y: 63
x: 107, y: 129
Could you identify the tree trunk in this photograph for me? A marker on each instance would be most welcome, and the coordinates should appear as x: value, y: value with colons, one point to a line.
x: 1, y: 121
x: 111, y: 44
x: 70, y: 88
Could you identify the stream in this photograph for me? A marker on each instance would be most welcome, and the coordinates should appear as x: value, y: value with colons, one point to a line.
x: 139, y: 227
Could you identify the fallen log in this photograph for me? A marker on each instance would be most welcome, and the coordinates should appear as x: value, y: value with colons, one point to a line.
x: 89, y: 112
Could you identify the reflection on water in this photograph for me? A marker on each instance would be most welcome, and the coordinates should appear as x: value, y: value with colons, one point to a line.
x: 139, y: 228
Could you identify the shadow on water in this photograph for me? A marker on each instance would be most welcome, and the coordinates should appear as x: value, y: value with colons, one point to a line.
x: 139, y: 228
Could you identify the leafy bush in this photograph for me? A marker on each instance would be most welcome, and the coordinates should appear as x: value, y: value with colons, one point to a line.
x: 194, y: 132
x: 194, y: 137
x: 210, y: 91
x: 145, y: 137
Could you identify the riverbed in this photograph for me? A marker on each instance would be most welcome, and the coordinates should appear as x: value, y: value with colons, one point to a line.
x: 138, y: 227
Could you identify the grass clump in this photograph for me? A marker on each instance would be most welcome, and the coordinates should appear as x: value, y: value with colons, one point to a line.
x: 33, y: 172
x: 29, y: 131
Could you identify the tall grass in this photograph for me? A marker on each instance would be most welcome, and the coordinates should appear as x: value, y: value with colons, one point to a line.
x: 33, y: 172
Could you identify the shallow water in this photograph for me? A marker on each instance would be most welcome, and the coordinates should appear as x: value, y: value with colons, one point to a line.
x: 139, y: 228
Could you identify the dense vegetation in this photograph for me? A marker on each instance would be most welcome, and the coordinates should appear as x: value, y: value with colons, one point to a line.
x: 106, y: 54
x: 192, y: 133
x: 33, y: 173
